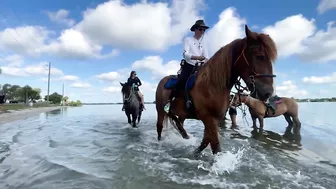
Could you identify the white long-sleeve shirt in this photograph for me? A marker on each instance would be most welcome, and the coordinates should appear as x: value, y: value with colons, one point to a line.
x: 195, y: 47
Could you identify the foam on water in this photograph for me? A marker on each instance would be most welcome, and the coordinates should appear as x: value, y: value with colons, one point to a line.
x: 98, y: 151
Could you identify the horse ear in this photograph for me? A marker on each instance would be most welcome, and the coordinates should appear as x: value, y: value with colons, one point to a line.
x: 249, y: 33
x: 121, y: 83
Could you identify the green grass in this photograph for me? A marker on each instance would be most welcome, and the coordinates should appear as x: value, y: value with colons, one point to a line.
x: 7, y: 107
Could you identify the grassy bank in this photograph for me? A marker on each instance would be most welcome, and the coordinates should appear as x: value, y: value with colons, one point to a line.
x: 7, y: 107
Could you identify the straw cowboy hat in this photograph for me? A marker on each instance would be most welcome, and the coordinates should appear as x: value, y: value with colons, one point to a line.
x: 199, y: 23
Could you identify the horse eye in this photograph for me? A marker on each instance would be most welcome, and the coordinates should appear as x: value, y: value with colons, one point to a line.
x: 261, y: 58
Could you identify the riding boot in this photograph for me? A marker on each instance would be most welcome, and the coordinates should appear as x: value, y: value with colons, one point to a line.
x: 143, y: 107
x: 123, y: 107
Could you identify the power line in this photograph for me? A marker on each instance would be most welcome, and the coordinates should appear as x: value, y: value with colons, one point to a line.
x: 14, y: 31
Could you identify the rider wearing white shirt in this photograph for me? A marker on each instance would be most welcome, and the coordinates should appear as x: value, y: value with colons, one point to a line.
x: 194, y: 51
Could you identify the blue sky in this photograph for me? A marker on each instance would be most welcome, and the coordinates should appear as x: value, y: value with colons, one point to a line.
x: 92, y: 45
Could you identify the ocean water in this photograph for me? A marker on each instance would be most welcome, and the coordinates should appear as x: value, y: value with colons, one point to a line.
x: 94, y: 147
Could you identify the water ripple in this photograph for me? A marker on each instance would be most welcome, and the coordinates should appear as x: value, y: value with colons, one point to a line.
x: 88, y: 148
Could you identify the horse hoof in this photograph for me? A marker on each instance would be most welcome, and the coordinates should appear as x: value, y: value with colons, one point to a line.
x: 159, y: 138
x: 197, y: 154
x: 186, y: 137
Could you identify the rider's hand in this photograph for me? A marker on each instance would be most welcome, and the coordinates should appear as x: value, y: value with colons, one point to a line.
x: 201, y: 58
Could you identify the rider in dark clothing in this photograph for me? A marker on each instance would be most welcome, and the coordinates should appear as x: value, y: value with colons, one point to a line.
x: 133, y: 79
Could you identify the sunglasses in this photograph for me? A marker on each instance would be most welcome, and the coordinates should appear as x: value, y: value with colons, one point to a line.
x: 201, y: 29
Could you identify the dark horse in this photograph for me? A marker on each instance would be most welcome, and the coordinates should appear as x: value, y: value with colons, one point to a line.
x: 132, y: 105
x: 208, y: 90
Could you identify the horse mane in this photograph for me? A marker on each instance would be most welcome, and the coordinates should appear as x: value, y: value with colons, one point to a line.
x: 217, y: 71
x: 269, y: 46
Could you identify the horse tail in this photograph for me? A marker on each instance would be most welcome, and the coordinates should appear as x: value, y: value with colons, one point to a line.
x: 174, y: 121
x: 161, y: 98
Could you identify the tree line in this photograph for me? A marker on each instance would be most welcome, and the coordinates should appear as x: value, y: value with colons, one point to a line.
x: 25, y: 94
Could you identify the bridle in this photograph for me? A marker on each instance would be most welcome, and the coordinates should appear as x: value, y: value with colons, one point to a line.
x: 253, y: 75
x: 129, y: 95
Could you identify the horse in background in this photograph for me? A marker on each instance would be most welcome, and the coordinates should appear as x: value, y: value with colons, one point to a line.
x: 132, y: 103
x: 207, y: 90
x: 288, y: 107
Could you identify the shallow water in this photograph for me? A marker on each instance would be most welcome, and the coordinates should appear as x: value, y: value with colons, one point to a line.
x: 94, y: 147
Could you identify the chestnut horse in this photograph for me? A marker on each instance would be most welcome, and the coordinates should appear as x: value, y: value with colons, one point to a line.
x: 251, y: 58
x: 287, y: 107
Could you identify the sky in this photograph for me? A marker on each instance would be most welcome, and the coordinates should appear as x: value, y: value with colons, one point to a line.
x: 93, y: 45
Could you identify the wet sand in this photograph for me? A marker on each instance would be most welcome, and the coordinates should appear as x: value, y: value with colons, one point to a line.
x: 24, y: 114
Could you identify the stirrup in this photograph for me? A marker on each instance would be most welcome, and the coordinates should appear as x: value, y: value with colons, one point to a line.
x: 188, y: 104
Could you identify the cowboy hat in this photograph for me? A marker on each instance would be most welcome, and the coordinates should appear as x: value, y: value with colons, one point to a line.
x: 199, y: 23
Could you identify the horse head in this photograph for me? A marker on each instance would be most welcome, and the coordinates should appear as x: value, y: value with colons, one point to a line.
x: 127, y: 90
x: 239, y: 98
x: 254, y: 63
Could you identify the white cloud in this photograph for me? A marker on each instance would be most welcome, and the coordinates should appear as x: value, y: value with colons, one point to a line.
x: 326, y: 5
x: 34, y: 40
x: 155, y: 65
x: 110, y: 76
x: 148, y: 89
x: 73, y: 44
x: 127, y: 26
x: 69, y: 78
x: 14, y: 67
x: 13, y: 71
x: 112, y: 89
x: 290, y: 33
x: 229, y: 27
x: 321, y: 47
x: 61, y: 16
x: 13, y: 60
x: 297, y: 35
x: 80, y: 85
x: 320, y: 80
x: 289, y: 89
x: 63, y: 78
x: 42, y: 69
x: 25, y: 40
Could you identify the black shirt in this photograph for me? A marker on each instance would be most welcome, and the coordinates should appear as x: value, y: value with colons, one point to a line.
x: 135, y: 81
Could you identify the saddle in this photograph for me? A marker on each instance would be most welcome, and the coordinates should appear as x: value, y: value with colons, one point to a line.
x: 187, y: 86
x: 272, y: 104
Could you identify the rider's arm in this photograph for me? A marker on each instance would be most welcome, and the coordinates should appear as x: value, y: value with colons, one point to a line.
x: 186, y: 51
x: 139, y: 82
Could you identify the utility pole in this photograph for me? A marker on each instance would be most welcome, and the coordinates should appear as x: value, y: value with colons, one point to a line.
x: 63, y: 94
x: 48, y: 82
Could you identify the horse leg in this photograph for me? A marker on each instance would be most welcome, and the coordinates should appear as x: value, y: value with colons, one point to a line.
x: 261, y: 124
x: 254, y: 120
x: 128, y: 117
x: 159, y: 123
x: 297, y: 127
x: 134, y: 118
x: 290, y: 125
x: 181, y: 128
x: 139, y: 117
x: 210, y: 135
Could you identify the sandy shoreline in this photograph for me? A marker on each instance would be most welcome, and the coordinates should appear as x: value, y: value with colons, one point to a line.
x: 24, y: 114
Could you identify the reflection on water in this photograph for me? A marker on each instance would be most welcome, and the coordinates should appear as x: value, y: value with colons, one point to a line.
x: 58, y: 112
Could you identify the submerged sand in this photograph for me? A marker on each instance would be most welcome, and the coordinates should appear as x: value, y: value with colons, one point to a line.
x: 24, y: 114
